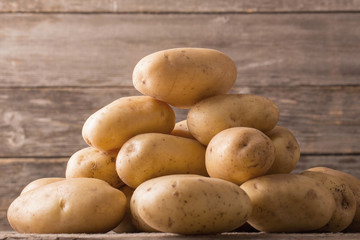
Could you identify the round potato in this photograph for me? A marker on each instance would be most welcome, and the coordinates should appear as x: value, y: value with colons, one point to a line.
x: 111, y: 126
x: 150, y: 155
x: 287, y: 152
x: 354, y: 185
x: 184, y: 76
x: 239, y: 154
x: 40, y: 182
x: 126, y: 225
x: 92, y: 163
x: 77, y: 205
x: 212, y: 115
x: 344, y: 200
x: 181, y: 130
x: 190, y: 204
x: 288, y: 203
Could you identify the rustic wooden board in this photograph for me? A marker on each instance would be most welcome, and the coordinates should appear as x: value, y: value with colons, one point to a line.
x: 102, y: 49
x: 48, y: 121
x: 18, y: 172
x: 183, y: 6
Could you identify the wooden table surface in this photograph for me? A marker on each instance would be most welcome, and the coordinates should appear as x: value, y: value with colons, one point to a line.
x: 61, y: 60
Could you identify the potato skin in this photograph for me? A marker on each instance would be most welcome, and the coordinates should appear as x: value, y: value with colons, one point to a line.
x: 212, y: 115
x: 190, y: 204
x: 150, y: 155
x: 354, y: 185
x: 184, y: 76
x: 239, y: 154
x: 287, y: 152
x: 92, y: 163
x: 288, y: 203
x: 77, y: 205
x: 111, y: 126
x: 40, y: 182
x: 344, y: 200
x: 181, y: 130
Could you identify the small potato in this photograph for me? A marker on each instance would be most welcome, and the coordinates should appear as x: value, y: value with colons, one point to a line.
x: 190, y: 204
x: 288, y: 203
x: 181, y: 130
x: 287, y: 150
x: 77, y: 205
x: 40, y: 182
x: 212, y: 115
x: 111, y: 126
x: 354, y: 185
x: 344, y: 200
x: 150, y: 155
x: 126, y: 225
x: 239, y: 154
x: 184, y: 76
x: 92, y: 163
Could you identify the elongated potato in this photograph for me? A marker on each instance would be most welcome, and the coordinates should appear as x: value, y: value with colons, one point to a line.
x: 354, y: 185
x: 212, y: 115
x: 287, y: 152
x: 92, y: 163
x: 181, y: 130
x: 40, y: 182
x: 184, y: 76
x: 150, y: 155
x: 77, y: 205
x: 111, y: 126
x: 239, y: 154
x: 344, y: 199
x: 190, y: 204
x: 288, y: 203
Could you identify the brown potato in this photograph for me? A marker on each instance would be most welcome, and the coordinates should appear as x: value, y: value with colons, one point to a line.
x: 184, y: 76
x: 181, y: 130
x: 287, y: 150
x: 239, y: 154
x: 212, y: 115
x: 40, y: 182
x: 92, y: 163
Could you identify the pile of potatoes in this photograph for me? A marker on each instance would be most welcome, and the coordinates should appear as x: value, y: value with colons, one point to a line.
x: 227, y: 166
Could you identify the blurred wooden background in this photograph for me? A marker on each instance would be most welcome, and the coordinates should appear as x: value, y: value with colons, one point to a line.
x: 61, y: 60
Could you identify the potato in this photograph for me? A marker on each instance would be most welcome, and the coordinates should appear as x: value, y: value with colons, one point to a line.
x: 239, y: 154
x: 354, y: 185
x: 190, y: 204
x: 150, y: 155
x: 40, y: 182
x: 212, y: 115
x: 344, y: 200
x: 111, y: 126
x: 181, y: 130
x: 288, y: 203
x: 287, y: 150
x: 77, y: 205
x: 184, y: 76
x: 92, y: 163
x: 126, y: 225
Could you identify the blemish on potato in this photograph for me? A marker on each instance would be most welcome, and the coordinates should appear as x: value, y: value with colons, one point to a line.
x: 148, y: 189
x: 311, y: 195
x: 176, y: 194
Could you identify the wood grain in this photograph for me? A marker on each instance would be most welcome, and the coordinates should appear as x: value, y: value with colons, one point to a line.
x: 102, y: 49
x: 182, y: 6
x: 18, y: 172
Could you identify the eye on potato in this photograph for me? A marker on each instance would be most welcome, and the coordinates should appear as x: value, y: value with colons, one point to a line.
x: 190, y: 204
x: 212, y: 115
x: 150, y: 155
x: 354, y: 185
x: 239, y: 154
x: 287, y: 152
x: 77, y: 205
x: 344, y: 200
x: 184, y: 76
x: 40, y: 182
x: 92, y: 163
x: 111, y: 126
x: 288, y: 203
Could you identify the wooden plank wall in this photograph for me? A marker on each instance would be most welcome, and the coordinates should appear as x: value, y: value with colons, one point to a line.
x: 61, y: 60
